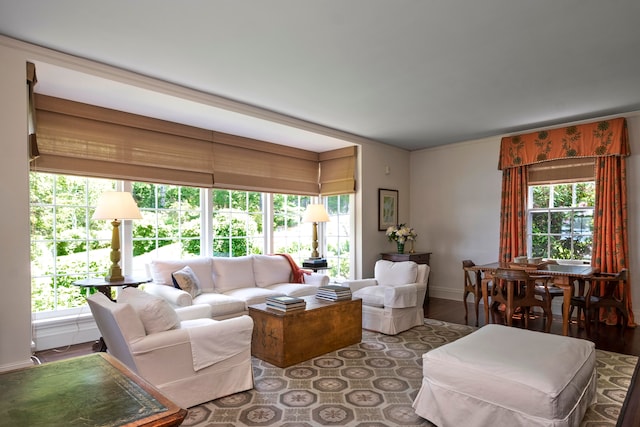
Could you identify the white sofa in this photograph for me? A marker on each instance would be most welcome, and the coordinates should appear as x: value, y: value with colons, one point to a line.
x: 188, y: 356
x: 230, y: 285
x: 392, y: 301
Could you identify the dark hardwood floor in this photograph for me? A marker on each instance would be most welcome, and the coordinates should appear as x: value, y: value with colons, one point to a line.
x: 606, y: 338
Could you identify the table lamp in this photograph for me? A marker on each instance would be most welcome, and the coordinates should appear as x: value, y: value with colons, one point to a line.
x: 315, y: 213
x: 116, y: 206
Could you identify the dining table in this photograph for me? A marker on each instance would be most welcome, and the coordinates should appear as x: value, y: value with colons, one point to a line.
x: 563, y: 275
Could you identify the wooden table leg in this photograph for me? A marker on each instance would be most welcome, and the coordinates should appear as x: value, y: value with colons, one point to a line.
x: 567, y: 287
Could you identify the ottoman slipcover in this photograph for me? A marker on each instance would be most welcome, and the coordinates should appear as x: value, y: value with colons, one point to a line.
x: 507, y: 376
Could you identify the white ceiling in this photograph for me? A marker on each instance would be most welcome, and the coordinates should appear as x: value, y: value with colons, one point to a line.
x: 411, y: 73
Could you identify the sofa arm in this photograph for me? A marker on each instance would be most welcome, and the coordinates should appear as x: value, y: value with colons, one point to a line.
x: 196, y: 311
x: 402, y: 296
x: 356, y: 285
x: 176, y: 297
x: 317, y: 279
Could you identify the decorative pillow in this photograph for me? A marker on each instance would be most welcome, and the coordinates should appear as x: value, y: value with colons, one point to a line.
x: 155, y: 313
x: 186, y: 280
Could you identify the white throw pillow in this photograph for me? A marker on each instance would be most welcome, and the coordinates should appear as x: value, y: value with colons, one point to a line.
x: 155, y: 313
x: 186, y: 280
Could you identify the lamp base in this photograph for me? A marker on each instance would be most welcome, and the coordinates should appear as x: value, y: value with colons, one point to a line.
x: 114, y: 275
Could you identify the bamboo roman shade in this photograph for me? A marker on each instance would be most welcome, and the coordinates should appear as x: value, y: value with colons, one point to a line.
x: 247, y: 164
x: 338, y: 171
x: 82, y: 139
x: 561, y: 171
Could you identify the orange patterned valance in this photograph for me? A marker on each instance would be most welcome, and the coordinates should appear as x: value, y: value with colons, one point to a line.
x: 604, y: 138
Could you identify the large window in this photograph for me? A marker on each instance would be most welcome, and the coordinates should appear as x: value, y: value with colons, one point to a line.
x: 238, y: 218
x: 561, y: 221
x: 65, y: 244
x: 338, y: 236
x: 178, y: 222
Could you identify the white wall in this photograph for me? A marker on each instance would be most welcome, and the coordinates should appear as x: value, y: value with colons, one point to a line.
x: 376, y: 160
x: 15, y: 283
x: 455, y: 207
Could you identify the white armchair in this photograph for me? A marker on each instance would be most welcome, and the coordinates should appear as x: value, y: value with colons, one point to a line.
x: 188, y: 356
x: 392, y: 301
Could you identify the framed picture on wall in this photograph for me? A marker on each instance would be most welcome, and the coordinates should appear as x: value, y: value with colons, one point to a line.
x: 387, y: 208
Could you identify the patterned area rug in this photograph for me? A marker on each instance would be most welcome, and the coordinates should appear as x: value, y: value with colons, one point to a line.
x: 372, y: 384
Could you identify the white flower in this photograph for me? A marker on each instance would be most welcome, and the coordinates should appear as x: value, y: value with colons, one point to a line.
x: 400, y: 233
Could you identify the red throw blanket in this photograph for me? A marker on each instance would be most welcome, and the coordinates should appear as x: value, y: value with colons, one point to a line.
x: 297, y: 272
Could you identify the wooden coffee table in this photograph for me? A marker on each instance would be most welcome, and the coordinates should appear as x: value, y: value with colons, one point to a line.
x: 286, y: 338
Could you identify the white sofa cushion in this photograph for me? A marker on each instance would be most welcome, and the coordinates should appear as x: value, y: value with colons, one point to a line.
x: 155, y: 313
x: 253, y: 295
x: 222, y: 305
x: 161, y: 270
x: 271, y: 269
x: 295, y: 289
x: 233, y: 273
x: 389, y: 273
x: 186, y: 280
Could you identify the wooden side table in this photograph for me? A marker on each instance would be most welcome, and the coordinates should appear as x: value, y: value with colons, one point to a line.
x: 105, y: 287
x: 417, y: 257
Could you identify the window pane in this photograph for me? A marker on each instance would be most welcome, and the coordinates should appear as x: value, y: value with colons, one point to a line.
x: 539, y: 247
x: 559, y: 221
x: 541, y: 196
x: 569, y: 220
x: 562, y: 195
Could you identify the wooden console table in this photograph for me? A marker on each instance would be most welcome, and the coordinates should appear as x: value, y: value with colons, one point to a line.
x: 286, y: 338
x: 94, y: 390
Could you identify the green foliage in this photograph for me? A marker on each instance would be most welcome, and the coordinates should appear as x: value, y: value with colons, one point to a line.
x: 63, y: 236
x: 561, y: 230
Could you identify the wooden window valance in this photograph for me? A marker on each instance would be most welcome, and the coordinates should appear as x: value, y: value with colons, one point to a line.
x: 597, y: 139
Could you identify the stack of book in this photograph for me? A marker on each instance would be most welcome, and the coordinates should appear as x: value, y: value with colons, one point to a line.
x: 333, y: 293
x: 285, y: 303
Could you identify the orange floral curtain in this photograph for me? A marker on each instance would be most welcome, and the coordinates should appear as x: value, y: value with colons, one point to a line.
x: 606, y: 140
x: 513, y: 214
x: 610, y: 242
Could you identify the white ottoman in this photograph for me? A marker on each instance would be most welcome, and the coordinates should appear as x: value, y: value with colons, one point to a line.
x: 505, y: 376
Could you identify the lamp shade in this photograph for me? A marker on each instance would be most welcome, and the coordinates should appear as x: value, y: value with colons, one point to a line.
x: 116, y: 205
x: 315, y: 213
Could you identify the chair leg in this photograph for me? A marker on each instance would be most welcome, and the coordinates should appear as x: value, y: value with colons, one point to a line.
x: 477, y: 306
x: 466, y: 309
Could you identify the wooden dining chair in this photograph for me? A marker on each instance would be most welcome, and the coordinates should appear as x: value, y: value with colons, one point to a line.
x: 472, y: 286
x: 603, y: 290
x: 516, y: 288
x: 550, y: 291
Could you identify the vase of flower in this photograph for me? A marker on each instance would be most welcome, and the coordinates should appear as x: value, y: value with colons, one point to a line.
x: 401, y: 234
